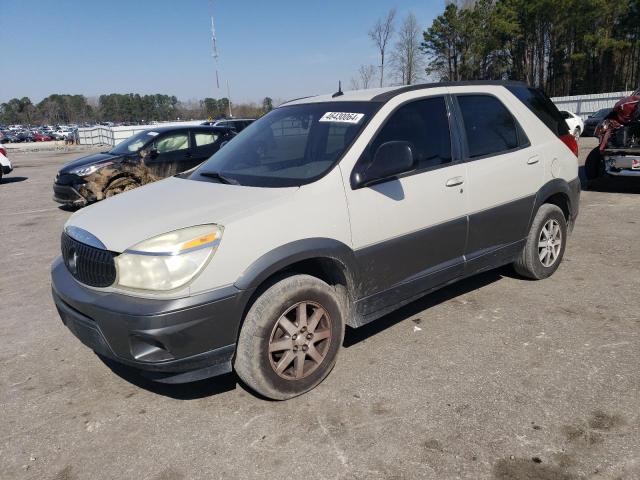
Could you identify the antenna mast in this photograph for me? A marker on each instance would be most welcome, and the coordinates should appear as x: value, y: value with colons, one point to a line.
x: 214, y: 46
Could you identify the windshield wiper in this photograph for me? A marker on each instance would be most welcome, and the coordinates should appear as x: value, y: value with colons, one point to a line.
x: 220, y: 177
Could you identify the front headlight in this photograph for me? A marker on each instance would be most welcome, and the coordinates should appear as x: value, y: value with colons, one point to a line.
x: 89, y: 169
x: 169, y: 260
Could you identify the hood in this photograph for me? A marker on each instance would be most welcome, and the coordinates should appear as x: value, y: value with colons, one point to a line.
x: 131, y: 217
x: 89, y: 159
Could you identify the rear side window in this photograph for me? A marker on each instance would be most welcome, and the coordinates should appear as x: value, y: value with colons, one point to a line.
x: 489, y: 126
x: 542, y: 107
x: 424, y: 124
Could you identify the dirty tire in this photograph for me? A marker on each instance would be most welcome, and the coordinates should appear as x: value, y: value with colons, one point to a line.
x: 120, y: 185
x: 256, y: 361
x: 529, y: 264
x: 593, y: 166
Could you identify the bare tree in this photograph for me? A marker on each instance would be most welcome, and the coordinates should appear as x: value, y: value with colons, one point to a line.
x: 381, y: 34
x: 364, y: 78
x: 407, y: 56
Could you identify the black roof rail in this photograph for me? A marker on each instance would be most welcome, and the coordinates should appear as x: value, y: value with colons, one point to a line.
x: 386, y: 96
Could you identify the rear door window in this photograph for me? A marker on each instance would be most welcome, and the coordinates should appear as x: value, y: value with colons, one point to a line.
x: 489, y: 126
x: 203, y: 139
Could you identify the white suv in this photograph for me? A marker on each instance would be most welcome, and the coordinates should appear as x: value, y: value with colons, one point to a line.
x: 5, y: 163
x: 328, y: 211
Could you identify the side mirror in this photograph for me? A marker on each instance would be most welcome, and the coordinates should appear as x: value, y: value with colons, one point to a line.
x: 389, y: 160
x: 149, y: 153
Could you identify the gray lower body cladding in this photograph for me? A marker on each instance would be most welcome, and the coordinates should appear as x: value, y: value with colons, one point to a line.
x: 173, y: 341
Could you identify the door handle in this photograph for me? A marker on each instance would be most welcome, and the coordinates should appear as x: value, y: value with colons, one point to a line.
x: 454, y: 182
x: 533, y: 160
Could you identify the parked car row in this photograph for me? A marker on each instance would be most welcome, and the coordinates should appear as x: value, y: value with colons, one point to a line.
x: 20, y: 134
x: 236, y: 124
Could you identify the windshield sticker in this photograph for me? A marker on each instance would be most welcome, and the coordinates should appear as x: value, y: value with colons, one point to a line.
x: 342, y: 117
x: 152, y: 134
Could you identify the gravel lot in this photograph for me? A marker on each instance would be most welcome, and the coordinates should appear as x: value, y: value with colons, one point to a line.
x: 495, y: 377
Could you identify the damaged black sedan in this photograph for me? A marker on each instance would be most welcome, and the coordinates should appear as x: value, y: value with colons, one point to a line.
x: 146, y: 157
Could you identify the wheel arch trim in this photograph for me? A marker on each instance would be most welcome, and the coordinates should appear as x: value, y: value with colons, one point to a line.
x: 286, y: 255
x: 570, y: 190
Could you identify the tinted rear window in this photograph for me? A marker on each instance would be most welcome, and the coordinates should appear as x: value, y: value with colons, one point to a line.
x: 542, y: 107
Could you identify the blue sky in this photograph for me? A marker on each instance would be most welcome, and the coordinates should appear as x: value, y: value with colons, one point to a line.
x: 278, y: 48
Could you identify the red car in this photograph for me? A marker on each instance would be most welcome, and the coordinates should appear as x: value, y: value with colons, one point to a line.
x: 41, y: 137
x: 618, y: 154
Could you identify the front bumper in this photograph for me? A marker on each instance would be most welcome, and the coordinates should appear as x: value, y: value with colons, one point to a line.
x: 68, y: 195
x: 170, y: 341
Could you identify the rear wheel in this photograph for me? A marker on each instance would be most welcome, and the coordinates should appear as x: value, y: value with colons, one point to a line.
x: 290, y: 337
x: 545, y: 245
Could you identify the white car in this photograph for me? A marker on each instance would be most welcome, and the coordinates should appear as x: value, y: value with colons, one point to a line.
x: 63, y: 132
x: 5, y: 163
x: 329, y: 211
x: 574, y: 122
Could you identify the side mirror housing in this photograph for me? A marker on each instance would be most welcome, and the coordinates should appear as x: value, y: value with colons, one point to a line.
x: 149, y: 153
x: 389, y: 160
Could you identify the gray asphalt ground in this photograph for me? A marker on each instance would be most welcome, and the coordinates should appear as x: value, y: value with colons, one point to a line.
x: 495, y: 377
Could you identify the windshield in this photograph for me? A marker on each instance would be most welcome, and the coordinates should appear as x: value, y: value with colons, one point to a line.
x: 133, y: 144
x: 289, y: 146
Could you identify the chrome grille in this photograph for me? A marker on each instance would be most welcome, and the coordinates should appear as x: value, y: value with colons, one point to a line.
x: 92, y: 266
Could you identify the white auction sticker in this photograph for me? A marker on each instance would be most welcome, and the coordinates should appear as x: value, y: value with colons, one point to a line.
x: 342, y: 117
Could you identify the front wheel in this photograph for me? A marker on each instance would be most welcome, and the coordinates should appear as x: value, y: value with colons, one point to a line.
x: 545, y: 245
x: 290, y: 338
x: 120, y: 185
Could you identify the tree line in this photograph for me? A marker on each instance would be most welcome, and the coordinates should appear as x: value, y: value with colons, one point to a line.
x: 115, y: 107
x: 566, y: 47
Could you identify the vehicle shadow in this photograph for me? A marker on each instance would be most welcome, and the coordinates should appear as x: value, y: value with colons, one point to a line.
x: 610, y: 184
x: 183, y: 391
x: 13, y: 179
x: 353, y: 336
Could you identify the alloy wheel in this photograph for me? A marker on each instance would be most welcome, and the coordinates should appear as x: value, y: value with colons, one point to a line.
x: 300, y: 340
x: 550, y: 243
